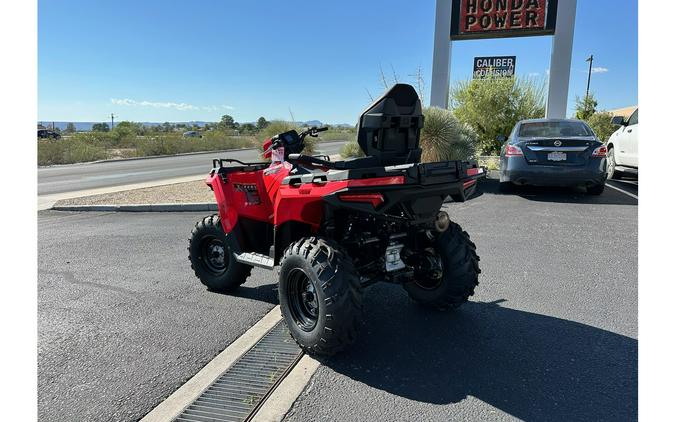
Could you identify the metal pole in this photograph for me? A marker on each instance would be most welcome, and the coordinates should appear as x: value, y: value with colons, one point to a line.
x: 590, y: 69
x: 561, y: 60
x: 112, y: 121
x: 440, y: 73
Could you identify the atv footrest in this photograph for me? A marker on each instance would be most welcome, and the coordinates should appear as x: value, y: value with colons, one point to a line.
x: 255, y: 259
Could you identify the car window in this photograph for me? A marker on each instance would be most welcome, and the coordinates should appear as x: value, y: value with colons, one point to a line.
x: 633, y: 118
x: 553, y: 129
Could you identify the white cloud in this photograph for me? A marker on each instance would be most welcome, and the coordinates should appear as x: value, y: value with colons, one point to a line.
x: 533, y: 74
x: 599, y: 70
x: 158, y: 104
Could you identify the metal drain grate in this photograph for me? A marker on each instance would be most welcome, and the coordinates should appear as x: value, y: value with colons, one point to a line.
x: 237, y: 393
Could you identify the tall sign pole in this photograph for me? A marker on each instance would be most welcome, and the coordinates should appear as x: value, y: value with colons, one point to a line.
x: 561, y: 60
x: 440, y: 74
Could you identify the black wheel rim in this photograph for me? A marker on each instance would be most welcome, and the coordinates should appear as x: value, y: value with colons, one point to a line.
x: 302, y: 300
x: 214, y: 255
x: 429, y: 275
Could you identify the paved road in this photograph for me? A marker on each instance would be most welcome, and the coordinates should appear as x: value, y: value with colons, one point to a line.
x: 122, y: 320
x: 58, y: 179
x: 551, y: 334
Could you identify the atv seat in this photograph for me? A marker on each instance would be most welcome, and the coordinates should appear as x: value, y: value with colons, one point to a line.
x: 388, y: 131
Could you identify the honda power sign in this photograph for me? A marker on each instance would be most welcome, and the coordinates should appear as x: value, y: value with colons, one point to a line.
x: 494, y: 67
x: 473, y: 19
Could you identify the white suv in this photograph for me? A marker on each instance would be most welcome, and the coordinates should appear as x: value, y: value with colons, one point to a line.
x: 622, y: 147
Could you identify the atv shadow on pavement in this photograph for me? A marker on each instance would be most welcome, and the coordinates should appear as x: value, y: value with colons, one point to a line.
x: 531, y: 366
x: 263, y: 293
x: 569, y: 195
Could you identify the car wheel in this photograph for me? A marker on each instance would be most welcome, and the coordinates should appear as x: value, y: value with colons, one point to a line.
x: 612, y: 173
x: 596, y: 189
x: 506, y: 187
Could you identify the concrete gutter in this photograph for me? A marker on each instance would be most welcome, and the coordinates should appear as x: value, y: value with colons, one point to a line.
x: 199, y: 206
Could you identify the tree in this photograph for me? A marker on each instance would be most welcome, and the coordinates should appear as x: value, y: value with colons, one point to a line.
x: 601, y: 123
x: 227, y: 121
x: 70, y: 128
x: 262, y: 123
x: 100, y: 127
x: 493, y: 106
x: 247, y: 128
x: 585, y: 108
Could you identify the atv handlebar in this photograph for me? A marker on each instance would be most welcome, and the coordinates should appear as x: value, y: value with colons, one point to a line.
x: 308, y: 159
x: 312, y: 131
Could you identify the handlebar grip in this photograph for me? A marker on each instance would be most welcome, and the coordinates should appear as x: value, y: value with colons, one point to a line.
x: 293, y: 156
x: 321, y: 129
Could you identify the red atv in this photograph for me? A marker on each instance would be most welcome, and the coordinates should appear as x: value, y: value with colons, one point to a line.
x: 337, y: 227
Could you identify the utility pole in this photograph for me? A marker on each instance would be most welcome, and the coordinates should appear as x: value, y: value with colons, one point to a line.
x: 590, y: 70
x: 112, y: 121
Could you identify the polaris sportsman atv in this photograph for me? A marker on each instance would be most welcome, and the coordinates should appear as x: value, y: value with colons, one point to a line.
x: 334, y: 228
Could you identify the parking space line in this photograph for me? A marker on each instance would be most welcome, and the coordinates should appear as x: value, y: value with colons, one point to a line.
x: 621, y: 190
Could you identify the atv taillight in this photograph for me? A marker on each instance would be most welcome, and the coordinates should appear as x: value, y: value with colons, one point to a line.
x: 375, y: 199
x: 600, y: 151
x: 513, y: 151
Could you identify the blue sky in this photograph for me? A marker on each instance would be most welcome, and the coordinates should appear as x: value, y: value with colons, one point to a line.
x: 178, y: 61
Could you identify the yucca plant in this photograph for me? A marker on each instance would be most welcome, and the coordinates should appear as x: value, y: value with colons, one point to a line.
x: 443, y: 137
x: 351, y: 150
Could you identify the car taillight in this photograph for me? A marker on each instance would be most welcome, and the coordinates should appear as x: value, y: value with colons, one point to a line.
x: 513, y: 151
x: 600, y: 151
x: 374, y: 199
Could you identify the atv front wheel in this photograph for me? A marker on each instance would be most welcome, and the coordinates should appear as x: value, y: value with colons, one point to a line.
x: 452, y: 275
x: 211, y: 254
x: 320, y: 295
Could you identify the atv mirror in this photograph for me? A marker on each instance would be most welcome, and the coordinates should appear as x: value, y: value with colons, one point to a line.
x: 618, y: 120
x: 501, y: 139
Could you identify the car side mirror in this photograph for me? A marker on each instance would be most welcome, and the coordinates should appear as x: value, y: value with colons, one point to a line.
x: 618, y: 121
x: 501, y: 139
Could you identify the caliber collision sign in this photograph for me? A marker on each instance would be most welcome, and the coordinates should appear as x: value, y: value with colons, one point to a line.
x: 494, y: 67
x: 502, y: 18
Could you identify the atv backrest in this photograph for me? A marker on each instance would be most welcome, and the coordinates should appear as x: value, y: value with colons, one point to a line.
x: 389, y: 129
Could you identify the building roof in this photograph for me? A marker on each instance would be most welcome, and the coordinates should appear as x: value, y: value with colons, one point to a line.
x: 624, y: 112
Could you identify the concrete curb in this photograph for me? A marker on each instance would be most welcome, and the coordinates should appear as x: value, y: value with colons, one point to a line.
x: 204, y: 206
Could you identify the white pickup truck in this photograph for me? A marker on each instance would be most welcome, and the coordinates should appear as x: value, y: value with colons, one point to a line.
x: 622, y: 147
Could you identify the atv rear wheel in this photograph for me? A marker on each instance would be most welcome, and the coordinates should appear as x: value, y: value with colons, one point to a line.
x: 320, y: 295
x: 211, y: 254
x: 450, y: 283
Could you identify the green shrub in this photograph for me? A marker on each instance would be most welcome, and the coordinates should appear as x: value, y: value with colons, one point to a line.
x: 601, y: 123
x: 493, y: 106
x: 489, y: 161
x: 443, y: 137
x: 351, y: 150
x: 68, y: 151
x: 346, y: 134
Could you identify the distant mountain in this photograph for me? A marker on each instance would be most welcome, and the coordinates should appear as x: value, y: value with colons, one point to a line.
x: 86, y: 126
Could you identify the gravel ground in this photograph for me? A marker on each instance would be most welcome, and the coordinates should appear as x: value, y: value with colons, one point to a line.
x: 177, y: 193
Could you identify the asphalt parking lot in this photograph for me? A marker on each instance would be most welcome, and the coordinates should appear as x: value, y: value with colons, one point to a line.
x: 551, y: 333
